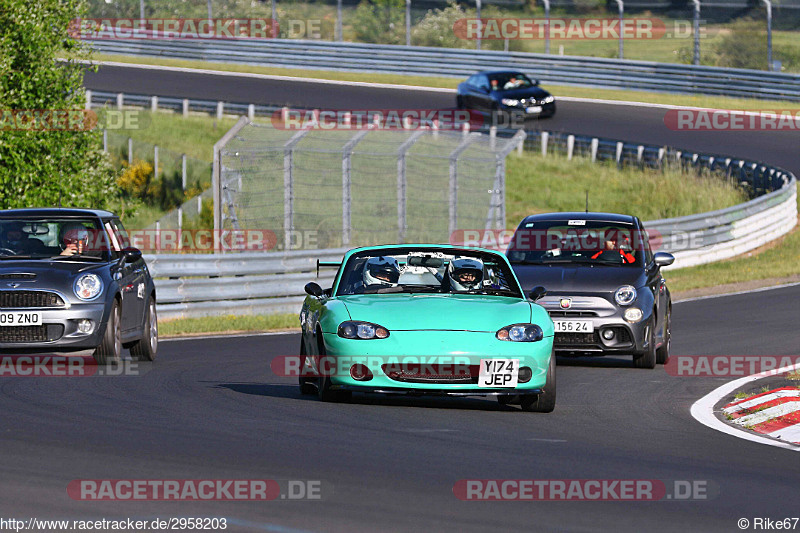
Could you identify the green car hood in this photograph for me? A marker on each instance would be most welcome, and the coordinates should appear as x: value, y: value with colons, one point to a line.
x: 438, y: 312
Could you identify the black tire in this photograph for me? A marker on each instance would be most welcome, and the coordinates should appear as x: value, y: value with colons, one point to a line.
x: 546, y: 401
x: 648, y: 358
x: 146, y: 348
x: 110, y: 349
x: 324, y: 392
x: 662, y: 353
x: 306, y: 388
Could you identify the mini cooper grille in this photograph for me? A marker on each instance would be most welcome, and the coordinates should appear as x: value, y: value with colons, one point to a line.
x: 576, y: 339
x: 17, y: 276
x: 43, y: 333
x: 22, y: 299
x: 432, y: 374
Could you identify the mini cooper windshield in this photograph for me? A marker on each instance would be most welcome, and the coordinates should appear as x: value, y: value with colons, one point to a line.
x: 581, y: 241
x: 384, y: 271
x: 67, y: 238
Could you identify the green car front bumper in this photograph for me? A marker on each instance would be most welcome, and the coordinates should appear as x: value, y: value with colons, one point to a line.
x: 436, y: 349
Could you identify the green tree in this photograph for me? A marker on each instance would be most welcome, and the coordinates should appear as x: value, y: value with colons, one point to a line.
x: 380, y: 21
x: 39, y: 168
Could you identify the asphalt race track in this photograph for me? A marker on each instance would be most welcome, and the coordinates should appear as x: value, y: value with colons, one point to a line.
x: 212, y: 409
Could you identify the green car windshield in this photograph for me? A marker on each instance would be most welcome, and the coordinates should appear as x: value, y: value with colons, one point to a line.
x: 385, y: 271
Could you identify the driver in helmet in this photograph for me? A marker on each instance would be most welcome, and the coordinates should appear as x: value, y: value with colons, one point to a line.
x: 381, y: 271
x: 14, y: 238
x: 465, y: 274
x: 74, y: 238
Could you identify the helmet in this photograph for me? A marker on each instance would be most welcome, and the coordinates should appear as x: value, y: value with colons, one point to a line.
x: 13, y: 234
x: 381, y: 271
x: 465, y: 274
x: 72, y: 232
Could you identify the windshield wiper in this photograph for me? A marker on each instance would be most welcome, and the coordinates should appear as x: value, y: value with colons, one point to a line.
x: 527, y: 262
x: 421, y: 288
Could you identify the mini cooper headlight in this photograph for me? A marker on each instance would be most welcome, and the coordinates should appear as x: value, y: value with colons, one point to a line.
x: 625, y: 295
x: 88, y: 287
x: 520, y: 333
x: 510, y: 102
x: 353, y: 329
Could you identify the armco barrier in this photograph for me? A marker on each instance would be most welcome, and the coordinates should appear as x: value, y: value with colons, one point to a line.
x: 451, y: 62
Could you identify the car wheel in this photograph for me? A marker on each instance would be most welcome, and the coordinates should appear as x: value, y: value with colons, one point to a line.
x: 110, y: 349
x: 459, y: 102
x: 546, y: 401
x: 662, y: 353
x: 324, y: 391
x: 306, y: 388
x: 145, y: 348
x: 648, y: 358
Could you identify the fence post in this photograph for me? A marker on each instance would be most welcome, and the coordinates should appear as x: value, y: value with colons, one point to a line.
x: 155, y: 162
x: 453, y: 182
x: 153, y: 104
x: 347, y: 153
x: 105, y: 140
x: 595, y: 143
x: 570, y: 146
x: 183, y: 172
x: 120, y: 100
x: 185, y: 107
x: 619, y: 153
x: 402, y: 183
x: 545, y: 136
x: 130, y: 151
x: 88, y: 99
x: 216, y: 179
x: 492, y: 137
x: 251, y: 112
x: 220, y: 110
x: 180, y: 222
x: 288, y: 186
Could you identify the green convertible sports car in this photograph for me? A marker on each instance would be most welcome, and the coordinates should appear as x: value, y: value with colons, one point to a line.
x: 427, y: 319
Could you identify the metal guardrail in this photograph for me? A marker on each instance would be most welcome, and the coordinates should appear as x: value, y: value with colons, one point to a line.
x: 451, y: 62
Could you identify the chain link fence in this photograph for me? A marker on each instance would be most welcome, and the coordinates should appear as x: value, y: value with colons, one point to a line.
x: 344, y: 188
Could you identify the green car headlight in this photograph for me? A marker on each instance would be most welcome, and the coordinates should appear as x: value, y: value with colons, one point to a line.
x: 353, y: 329
x: 520, y: 333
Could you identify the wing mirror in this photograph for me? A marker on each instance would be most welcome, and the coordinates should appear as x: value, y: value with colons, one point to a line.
x: 537, y: 293
x: 132, y: 254
x: 313, y: 289
x: 663, y: 259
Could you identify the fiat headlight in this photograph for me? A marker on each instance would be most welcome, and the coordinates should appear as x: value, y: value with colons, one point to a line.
x: 633, y: 314
x: 625, y: 295
x: 88, y: 287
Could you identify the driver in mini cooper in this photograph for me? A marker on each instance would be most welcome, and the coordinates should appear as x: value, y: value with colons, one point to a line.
x: 74, y: 238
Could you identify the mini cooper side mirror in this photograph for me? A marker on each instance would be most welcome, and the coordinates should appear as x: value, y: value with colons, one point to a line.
x: 663, y: 259
x: 313, y: 289
x: 132, y: 254
x: 537, y: 293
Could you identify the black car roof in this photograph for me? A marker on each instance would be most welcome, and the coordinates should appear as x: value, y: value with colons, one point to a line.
x: 580, y: 215
x: 54, y: 212
x: 506, y: 71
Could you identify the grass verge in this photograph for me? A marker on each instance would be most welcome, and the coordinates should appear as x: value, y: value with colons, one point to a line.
x: 451, y: 83
x: 226, y: 324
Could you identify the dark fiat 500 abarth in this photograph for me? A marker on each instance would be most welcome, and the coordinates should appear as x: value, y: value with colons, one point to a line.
x: 69, y: 281
x: 605, y: 291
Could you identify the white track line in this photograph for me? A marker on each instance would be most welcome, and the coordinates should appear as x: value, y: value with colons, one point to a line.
x: 761, y: 399
x: 749, y: 291
x: 791, y: 433
x: 703, y: 410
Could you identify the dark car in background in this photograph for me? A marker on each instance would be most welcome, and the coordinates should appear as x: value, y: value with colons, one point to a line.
x: 70, y: 281
x: 605, y: 291
x: 505, y: 93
